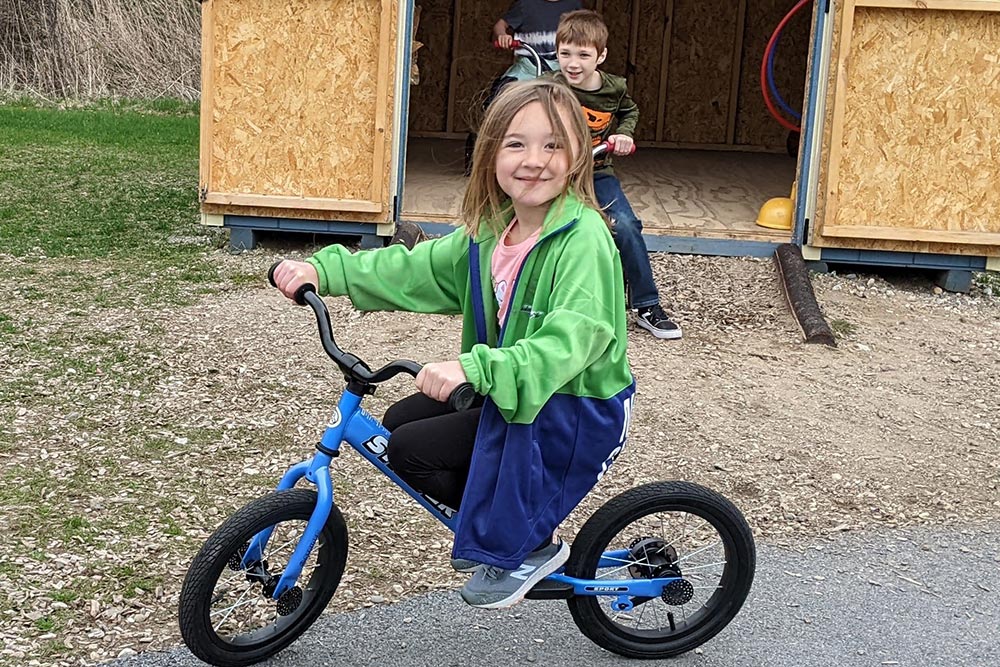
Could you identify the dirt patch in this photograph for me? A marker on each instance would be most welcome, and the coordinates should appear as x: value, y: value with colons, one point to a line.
x: 129, y: 435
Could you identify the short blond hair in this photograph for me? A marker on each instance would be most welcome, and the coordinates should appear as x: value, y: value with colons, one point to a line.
x: 484, y: 200
x: 583, y: 27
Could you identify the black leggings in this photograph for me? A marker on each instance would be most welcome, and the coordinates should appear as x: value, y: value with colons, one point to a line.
x: 431, y: 445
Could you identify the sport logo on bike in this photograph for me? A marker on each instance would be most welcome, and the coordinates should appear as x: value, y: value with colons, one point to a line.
x: 378, y: 445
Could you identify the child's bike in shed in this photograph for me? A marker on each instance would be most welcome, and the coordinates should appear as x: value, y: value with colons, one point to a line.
x: 656, y: 571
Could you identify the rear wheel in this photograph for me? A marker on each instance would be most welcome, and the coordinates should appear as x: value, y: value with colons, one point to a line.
x: 227, y: 615
x: 664, y: 529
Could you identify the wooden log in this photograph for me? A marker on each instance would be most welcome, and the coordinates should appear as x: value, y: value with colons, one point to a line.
x: 801, y: 298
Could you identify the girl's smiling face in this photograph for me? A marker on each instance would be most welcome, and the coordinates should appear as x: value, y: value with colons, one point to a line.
x: 531, y: 165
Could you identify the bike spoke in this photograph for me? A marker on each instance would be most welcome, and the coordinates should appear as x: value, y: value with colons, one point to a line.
x: 276, y: 551
x: 627, y: 565
x: 250, y: 612
x: 233, y: 608
x: 698, y: 551
x: 699, y: 567
x: 638, y: 621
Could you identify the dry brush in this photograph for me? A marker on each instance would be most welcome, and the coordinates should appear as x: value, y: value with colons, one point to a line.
x: 100, y: 48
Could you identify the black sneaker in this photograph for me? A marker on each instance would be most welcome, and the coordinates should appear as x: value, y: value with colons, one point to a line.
x: 653, y: 319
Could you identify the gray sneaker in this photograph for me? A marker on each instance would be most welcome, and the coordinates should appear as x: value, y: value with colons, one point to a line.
x: 463, y: 565
x: 655, y: 321
x: 493, y: 588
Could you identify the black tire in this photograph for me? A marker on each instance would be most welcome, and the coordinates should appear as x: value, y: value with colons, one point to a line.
x: 629, y: 509
x: 218, y: 558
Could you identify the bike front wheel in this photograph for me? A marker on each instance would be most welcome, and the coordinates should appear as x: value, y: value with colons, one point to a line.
x: 227, y: 615
x: 664, y: 529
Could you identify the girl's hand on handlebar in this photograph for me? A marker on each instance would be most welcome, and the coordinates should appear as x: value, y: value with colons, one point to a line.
x: 621, y: 144
x: 437, y: 380
x: 290, y: 276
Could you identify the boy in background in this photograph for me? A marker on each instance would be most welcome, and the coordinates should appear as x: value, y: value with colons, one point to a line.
x: 581, y: 46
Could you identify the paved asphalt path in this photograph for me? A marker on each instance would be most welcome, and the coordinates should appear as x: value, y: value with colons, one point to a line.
x: 921, y: 598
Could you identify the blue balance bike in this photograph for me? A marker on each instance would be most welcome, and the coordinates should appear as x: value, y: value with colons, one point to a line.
x: 655, y: 572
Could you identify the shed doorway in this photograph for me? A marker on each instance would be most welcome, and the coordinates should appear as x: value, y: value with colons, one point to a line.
x: 709, y: 154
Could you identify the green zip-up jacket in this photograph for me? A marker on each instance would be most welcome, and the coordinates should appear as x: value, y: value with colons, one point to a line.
x: 566, y: 328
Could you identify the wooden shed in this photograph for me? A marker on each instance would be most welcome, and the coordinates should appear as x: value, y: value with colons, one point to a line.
x: 348, y: 116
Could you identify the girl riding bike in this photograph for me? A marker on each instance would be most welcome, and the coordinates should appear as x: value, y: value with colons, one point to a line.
x: 536, y: 276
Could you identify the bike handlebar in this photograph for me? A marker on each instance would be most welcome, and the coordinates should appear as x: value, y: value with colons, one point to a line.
x: 354, y: 368
x: 518, y: 44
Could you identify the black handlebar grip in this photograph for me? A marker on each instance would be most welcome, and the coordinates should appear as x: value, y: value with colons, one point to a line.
x: 462, y: 397
x: 300, y: 294
x: 270, y: 273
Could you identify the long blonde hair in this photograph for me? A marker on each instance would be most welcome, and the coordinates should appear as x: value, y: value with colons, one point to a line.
x: 484, y: 201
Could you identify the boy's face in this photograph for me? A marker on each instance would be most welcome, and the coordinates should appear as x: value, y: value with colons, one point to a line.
x: 579, y: 63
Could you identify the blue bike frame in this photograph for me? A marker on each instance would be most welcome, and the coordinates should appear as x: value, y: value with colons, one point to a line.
x: 353, y: 424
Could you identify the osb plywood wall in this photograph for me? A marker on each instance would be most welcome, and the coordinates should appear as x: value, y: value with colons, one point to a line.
x: 700, y: 70
x: 920, y: 129
x: 618, y: 17
x: 682, y: 58
x: 644, y: 76
x: 475, y: 63
x: 293, y: 99
x: 429, y: 99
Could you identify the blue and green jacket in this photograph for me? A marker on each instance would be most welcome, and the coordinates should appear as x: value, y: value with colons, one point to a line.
x: 556, y: 378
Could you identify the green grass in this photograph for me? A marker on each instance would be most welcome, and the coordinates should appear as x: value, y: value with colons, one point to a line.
x: 843, y: 328
x: 115, y: 183
x: 65, y: 595
x: 45, y: 624
x: 130, y: 581
x: 984, y: 279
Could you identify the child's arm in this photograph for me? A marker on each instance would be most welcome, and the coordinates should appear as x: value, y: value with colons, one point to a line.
x: 422, y: 280
x: 503, y: 29
x: 501, y: 34
x: 627, y: 117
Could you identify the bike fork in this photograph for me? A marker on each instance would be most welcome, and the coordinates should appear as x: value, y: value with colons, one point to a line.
x: 316, y: 471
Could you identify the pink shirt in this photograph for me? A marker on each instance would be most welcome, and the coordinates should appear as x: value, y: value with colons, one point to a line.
x: 505, y: 264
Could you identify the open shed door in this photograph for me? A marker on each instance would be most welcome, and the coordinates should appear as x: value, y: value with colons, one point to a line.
x: 296, y: 115
x: 915, y: 128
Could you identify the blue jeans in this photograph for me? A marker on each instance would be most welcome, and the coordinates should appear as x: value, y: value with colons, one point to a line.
x: 627, y: 231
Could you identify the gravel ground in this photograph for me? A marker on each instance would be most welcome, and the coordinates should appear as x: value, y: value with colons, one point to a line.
x: 146, y: 428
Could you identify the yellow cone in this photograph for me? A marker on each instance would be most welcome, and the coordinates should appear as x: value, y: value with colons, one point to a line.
x: 776, y: 213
